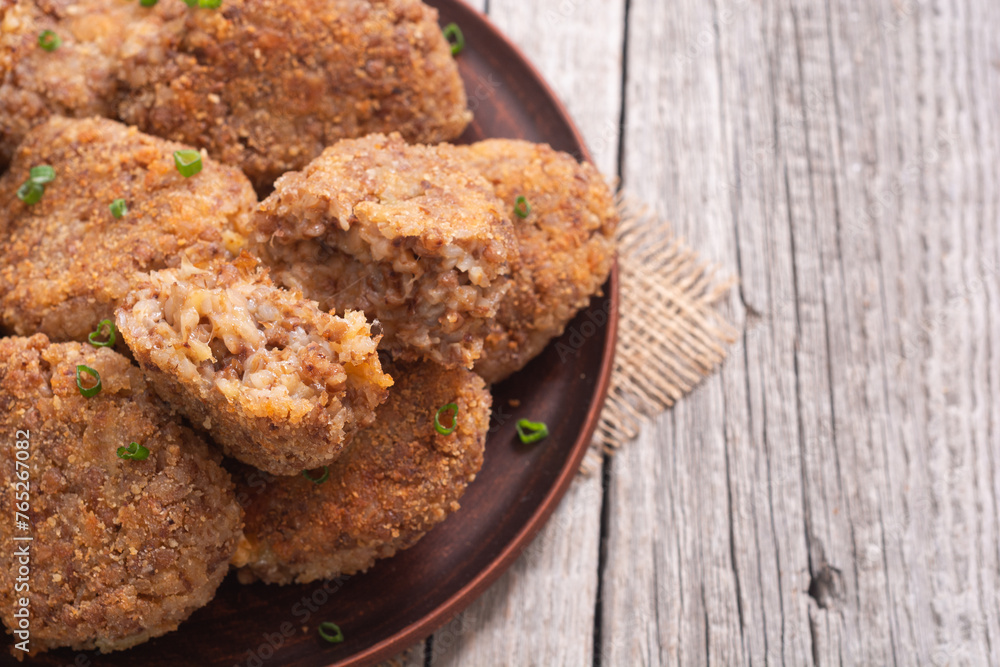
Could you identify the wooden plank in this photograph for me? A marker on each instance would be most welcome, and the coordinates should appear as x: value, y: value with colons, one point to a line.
x: 936, y: 222
x: 843, y: 156
x: 670, y: 585
x: 896, y: 259
x: 770, y: 544
x: 541, y: 612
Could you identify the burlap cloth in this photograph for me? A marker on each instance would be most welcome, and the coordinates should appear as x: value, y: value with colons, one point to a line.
x: 670, y: 332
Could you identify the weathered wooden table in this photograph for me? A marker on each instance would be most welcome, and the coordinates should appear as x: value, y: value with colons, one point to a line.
x: 832, y: 495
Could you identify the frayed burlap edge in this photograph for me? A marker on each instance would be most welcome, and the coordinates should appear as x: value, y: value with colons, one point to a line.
x: 671, y: 334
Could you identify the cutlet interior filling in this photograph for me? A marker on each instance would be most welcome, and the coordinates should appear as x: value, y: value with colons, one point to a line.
x: 395, y: 240
x: 452, y: 275
x: 252, y: 343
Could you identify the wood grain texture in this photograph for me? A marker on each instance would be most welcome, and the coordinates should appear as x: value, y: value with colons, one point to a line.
x: 832, y: 496
x: 834, y: 490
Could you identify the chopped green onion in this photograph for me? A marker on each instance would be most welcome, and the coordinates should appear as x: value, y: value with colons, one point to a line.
x: 191, y: 3
x: 437, y: 419
x: 188, y: 162
x: 119, y: 208
x: 42, y: 174
x: 100, y: 332
x: 318, y: 480
x: 331, y: 632
x: 49, y: 41
x: 134, y: 452
x: 148, y: 3
x: 209, y: 4
x: 453, y: 34
x: 522, y: 208
x: 88, y: 391
x: 529, y: 431
x: 30, y: 192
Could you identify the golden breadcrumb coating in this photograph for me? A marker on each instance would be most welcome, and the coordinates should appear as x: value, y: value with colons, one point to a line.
x: 405, y: 233
x: 122, y: 550
x: 566, y: 245
x: 77, y: 79
x: 399, y: 478
x: 264, y: 85
x: 278, y: 383
x: 66, y: 261
x: 268, y: 84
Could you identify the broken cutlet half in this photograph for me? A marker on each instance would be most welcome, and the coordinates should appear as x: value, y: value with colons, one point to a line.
x: 405, y: 233
x: 278, y: 383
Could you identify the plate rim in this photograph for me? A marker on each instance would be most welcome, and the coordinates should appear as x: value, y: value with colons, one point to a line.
x: 473, y: 589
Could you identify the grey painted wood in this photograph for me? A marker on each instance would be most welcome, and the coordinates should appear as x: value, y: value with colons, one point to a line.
x: 832, y: 495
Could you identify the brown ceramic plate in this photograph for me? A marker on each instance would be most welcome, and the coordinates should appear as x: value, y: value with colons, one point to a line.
x: 403, y: 599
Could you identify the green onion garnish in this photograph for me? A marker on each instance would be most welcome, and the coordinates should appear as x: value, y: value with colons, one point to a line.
x: 455, y: 38
x: 191, y: 3
x: 318, y: 480
x: 100, y: 332
x: 119, y: 208
x: 522, y: 207
x: 437, y: 419
x: 529, y: 431
x: 331, y: 632
x: 188, y: 162
x: 134, y: 452
x: 148, y: 3
x: 91, y: 391
x: 42, y: 174
x: 49, y: 41
x: 209, y: 4
x: 30, y: 192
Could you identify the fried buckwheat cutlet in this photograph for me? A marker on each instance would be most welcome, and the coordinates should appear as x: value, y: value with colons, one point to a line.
x: 566, y: 245
x: 76, y: 79
x: 264, y: 85
x: 268, y: 84
x: 399, y: 478
x: 278, y: 383
x: 66, y: 261
x: 121, y: 550
x: 405, y: 233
